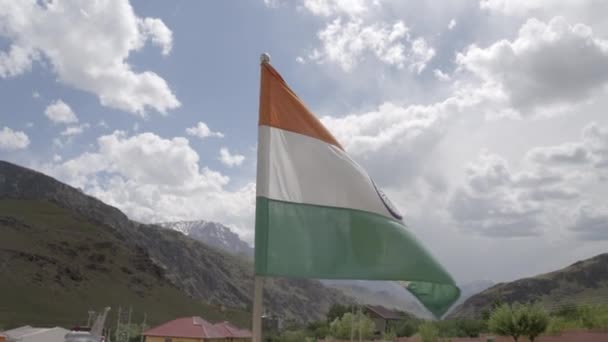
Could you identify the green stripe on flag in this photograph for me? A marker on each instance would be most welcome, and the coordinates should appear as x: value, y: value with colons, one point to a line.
x: 311, y: 241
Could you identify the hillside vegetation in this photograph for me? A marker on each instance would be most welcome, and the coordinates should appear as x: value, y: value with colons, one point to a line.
x: 56, y: 266
x: 63, y: 252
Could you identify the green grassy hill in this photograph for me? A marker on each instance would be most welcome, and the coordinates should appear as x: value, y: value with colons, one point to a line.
x: 584, y: 282
x: 57, y: 265
x: 63, y: 253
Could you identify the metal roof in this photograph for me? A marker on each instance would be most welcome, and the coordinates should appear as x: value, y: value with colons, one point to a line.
x: 384, y: 312
x: 196, y: 327
x: 28, y: 331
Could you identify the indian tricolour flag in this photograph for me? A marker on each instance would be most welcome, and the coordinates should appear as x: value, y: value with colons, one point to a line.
x: 319, y: 214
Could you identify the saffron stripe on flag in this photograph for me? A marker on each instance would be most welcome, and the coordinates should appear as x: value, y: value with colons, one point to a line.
x: 280, y: 107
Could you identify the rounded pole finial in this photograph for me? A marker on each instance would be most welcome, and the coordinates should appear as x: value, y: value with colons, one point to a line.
x: 264, y: 58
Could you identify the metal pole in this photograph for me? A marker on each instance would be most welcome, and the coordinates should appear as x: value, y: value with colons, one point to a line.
x: 359, y: 323
x: 129, y: 324
x: 118, y: 323
x: 258, y: 291
x: 352, y: 323
x: 91, y: 313
x: 143, y: 326
x: 258, y: 294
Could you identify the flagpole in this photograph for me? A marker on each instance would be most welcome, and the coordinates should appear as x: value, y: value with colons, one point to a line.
x: 258, y: 294
x: 258, y: 291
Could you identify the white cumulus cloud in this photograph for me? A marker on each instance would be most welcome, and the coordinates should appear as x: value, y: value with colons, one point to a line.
x: 346, y: 43
x: 202, y: 131
x: 332, y: 7
x: 155, y: 179
x: 158, y: 32
x: 13, y: 140
x: 590, y: 223
x: 400, y: 136
x: 591, y: 150
x: 549, y: 65
x: 499, y: 202
x: 556, y: 187
x: 87, y: 44
x: 60, y: 112
x: 74, y: 130
x: 16, y: 61
x: 441, y: 76
x: 452, y: 24
x: 230, y: 159
x: 528, y: 7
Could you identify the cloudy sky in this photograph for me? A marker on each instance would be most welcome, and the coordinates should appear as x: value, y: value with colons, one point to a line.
x: 484, y: 120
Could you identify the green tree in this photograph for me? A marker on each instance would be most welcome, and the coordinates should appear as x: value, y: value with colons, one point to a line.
x: 389, y: 336
x: 407, y: 327
x: 534, y: 321
x: 293, y: 336
x: 496, y: 303
x: 338, y: 310
x: 593, y: 317
x: 470, y: 327
x: 567, y: 311
x: 428, y: 332
x: 318, y: 329
x: 558, y: 324
x: 506, y: 320
x: 356, y: 324
x: 448, y: 328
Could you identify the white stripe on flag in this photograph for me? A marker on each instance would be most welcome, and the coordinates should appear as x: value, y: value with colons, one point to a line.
x: 297, y: 168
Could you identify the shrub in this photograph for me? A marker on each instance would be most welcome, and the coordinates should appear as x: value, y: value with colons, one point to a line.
x: 428, y: 332
x: 534, y: 321
x: 504, y: 320
x: 358, y: 324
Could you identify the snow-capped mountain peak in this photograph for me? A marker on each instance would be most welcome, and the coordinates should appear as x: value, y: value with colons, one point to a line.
x: 213, y: 234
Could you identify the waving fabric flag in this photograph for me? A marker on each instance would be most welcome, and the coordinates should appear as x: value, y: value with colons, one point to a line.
x: 318, y: 213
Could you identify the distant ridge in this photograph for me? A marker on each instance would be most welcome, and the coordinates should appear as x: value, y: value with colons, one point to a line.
x: 584, y: 282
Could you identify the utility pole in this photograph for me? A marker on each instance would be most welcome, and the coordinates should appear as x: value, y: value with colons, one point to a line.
x: 91, y: 313
x: 359, y: 323
x: 352, y: 323
x: 143, y: 326
x: 129, y: 324
x: 118, y: 323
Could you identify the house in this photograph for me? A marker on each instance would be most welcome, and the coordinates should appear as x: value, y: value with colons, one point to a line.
x: 382, y: 317
x: 271, y: 324
x: 196, y: 329
x: 31, y: 334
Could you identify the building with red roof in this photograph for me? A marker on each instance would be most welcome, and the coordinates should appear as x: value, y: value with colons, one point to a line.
x: 196, y: 329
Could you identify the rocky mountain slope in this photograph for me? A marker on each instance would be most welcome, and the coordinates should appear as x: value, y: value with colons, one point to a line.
x: 584, y: 282
x: 391, y: 295
x: 64, y: 251
x: 385, y: 293
x: 212, y: 234
x: 468, y: 290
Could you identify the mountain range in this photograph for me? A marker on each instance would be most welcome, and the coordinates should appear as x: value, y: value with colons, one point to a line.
x: 392, y: 295
x: 385, y: 293
x: 584, y: 282
x: 212, y: 234
x: 63, y: 252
